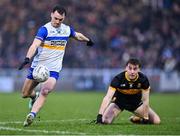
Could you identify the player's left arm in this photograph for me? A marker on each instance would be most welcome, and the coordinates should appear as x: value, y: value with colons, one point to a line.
x: 145, y: 99
x: 81, y: 37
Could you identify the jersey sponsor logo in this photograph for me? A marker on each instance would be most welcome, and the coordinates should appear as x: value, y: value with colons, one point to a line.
x: 58, y: 42
x: 56, y: 45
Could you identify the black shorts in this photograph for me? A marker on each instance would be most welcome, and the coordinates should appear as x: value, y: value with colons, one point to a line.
x: 127, y: 102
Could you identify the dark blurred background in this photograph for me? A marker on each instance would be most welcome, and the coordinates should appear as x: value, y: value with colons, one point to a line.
x: 146, y: 29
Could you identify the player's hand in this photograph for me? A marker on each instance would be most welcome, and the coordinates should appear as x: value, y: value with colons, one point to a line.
x: 99, y: 119
x: 25, y: 62
x: 90, y: 43
x: 145, y: 121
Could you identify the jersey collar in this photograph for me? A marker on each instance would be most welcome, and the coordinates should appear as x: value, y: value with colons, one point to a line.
x: 126, y: 76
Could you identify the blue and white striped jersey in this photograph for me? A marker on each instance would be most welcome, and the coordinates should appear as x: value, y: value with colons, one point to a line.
x: 52, y: 49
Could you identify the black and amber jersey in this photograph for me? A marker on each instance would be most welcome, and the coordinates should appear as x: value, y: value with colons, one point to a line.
x: 123, y: 84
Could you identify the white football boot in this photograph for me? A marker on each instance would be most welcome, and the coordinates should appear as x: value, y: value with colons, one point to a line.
x: 29, y: 119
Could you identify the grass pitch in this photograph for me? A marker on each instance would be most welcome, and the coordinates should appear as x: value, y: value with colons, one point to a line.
x: 70, y: 114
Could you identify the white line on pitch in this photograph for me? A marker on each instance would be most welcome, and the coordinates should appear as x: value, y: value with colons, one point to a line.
x: 65, y: 120
x: 41, y: 131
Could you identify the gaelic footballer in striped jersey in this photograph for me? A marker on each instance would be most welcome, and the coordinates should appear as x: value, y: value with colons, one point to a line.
x: 50, y: 42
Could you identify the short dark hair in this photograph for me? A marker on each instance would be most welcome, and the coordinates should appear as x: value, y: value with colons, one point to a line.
x: 59, y: 9
x: 133, y: 61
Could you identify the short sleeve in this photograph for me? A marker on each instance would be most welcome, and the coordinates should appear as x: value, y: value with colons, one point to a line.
x: 72, y: 32
x: 115, y: 82
x: 42, y: 33
x: 145, y: 84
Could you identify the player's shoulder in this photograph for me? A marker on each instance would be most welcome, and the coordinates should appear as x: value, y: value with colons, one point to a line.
x: 142, y: 76
x: 64, y: 26
x: 47, y: 25
x: 121, y: 75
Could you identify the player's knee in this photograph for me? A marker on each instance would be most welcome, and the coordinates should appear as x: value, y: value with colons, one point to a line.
x: 46, y: 90
x: 157, y: 121
x: 107, y: 120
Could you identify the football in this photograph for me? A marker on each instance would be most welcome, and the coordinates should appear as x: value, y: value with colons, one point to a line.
x: 41, y: 73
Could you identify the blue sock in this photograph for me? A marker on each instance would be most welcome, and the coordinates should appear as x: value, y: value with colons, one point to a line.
x: 34, y: 114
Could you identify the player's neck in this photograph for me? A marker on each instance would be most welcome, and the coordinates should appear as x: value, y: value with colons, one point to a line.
x: 131, y: 80
x: 55, y: 26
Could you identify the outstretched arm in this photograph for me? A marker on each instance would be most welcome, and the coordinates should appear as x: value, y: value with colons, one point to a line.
x: 80, y: 37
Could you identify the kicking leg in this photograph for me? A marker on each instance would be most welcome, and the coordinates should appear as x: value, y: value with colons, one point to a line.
x: 46, y: 88
x: 110, y: 113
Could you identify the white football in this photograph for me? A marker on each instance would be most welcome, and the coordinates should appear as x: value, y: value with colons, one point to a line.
x: 41, y: 73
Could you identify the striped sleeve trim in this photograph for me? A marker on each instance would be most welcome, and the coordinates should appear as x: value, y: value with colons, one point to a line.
x: 112, y: 88
x: 148, y: 89
x: 39, y: 38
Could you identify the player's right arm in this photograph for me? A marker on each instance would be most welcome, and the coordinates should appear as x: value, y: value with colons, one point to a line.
x: 32, y: 49
x: 107, y: 99
x: 30, y: 53
x: 40, y: 36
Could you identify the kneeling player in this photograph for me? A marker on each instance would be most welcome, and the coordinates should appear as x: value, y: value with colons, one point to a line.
x: 129, y: 90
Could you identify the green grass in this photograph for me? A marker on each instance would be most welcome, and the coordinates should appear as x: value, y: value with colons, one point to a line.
x: 70, y: 113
